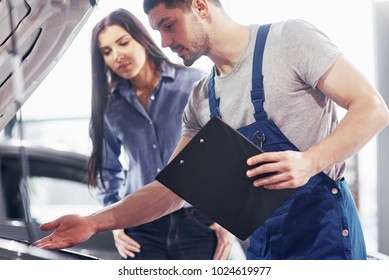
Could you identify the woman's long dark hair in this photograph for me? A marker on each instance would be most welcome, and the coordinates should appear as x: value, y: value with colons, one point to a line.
x: 103, y: 79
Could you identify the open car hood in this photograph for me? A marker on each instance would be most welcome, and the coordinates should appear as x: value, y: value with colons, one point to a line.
x: 42, y: 30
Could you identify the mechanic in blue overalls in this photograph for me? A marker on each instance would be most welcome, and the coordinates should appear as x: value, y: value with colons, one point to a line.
x: 315, y: 222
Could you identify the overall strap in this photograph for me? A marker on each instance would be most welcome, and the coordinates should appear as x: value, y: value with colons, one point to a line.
x: 213, y: 102
x: 257, y: 91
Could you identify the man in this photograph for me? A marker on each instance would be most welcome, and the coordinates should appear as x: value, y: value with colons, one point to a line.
x: 304, y: 76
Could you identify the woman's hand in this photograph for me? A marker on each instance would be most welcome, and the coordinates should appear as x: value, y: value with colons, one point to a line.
x: 127, y: 247
x: 225, y: 240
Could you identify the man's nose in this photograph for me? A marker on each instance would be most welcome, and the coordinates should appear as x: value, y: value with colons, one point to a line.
x: 166, y: 41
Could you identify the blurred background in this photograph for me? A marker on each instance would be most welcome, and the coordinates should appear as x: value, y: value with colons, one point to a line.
x: 57, y: 114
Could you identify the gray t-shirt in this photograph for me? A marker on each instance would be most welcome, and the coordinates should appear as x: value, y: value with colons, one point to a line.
x: 296, y: 55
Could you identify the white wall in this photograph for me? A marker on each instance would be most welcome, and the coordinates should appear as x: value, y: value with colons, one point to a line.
x: 347, y: 22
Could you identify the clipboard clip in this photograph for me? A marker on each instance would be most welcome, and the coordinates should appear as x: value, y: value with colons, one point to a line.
x: 259, y: 138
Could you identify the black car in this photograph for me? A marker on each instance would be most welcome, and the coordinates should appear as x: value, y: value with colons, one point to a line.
x: 55, y: 186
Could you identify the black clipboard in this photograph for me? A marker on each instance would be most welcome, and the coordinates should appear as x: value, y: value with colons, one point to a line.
x: 210, y: 174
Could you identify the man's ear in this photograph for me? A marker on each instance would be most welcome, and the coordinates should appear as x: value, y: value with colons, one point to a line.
x: 201, y: 7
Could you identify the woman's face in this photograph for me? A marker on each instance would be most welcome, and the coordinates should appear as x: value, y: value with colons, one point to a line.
x: 121, y: 52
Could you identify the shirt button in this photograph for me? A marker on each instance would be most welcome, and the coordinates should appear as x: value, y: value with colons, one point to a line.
x: 154, y: 146
x: 152, y: 97
x: 150, y: 123
x: 158, y: 169
x: 345, y: 232
x: 334, y: 191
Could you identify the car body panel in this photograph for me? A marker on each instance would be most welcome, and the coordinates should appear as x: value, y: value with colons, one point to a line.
x: 19, y: 250
x: 42, y: 30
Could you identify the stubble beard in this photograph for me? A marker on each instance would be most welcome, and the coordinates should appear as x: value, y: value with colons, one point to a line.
x: 199, y: 46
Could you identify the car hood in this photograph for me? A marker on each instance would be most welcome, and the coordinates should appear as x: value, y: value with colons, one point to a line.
x: 42, y: 31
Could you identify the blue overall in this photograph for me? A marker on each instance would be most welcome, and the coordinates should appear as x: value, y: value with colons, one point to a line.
x: 320, y: 220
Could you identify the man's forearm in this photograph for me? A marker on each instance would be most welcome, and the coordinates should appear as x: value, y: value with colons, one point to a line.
x: 362, y: 122
x: 147, y: 204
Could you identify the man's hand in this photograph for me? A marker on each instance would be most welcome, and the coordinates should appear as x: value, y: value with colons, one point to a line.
x: 290, y: 169
x: 127, y: 247
x: 70, y: 230
x: 225, y: 240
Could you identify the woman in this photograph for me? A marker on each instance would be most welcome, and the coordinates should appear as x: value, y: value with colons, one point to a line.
x: 138, y: 97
